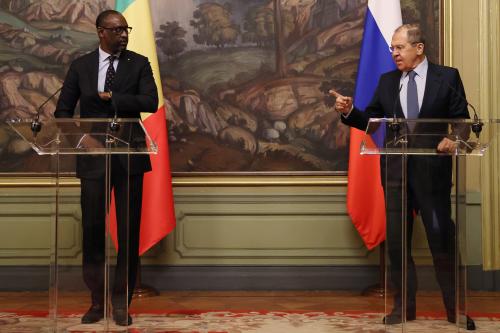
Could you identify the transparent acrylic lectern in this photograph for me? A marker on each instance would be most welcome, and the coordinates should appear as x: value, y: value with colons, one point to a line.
x: 103, y: 152
x: 423, y: 171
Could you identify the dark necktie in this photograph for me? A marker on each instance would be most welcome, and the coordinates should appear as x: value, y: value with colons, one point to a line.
x: 110, y: 75
x: 412, y: 99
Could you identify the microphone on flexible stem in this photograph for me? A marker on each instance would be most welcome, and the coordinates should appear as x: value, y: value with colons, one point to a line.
x: 395, y: 125
x: 114, y: 126
x: 477, y: 125
x: 36, y: 124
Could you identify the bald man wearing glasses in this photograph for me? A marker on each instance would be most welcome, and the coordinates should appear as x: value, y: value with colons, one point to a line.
x: 110, y: 73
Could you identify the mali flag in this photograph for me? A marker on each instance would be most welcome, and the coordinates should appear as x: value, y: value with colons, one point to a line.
x: 158, y: 217
x: 365, y: 195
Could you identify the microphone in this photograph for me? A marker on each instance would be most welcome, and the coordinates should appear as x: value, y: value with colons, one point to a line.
x: 395, y: 125
x: 114, y: 126
x: 36, y: 124
x: 477, y: 125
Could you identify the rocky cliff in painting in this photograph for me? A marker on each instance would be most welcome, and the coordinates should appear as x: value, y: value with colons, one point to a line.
x: 38, y: 41
x: 21, y: 92
x: 234, y: 100
x: 80, y: 14
x: 48, y: 49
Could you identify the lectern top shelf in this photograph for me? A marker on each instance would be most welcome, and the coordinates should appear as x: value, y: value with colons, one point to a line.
x: 397, y: 136
x: 81, y: 136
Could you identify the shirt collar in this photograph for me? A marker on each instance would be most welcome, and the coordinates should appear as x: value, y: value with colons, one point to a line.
x: 103, y: 55
x: 421, y: 69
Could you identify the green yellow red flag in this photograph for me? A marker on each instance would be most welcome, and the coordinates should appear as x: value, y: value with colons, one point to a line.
x: 158, y: 217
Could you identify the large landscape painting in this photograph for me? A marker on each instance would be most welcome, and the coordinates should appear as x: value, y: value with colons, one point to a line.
x: 241, y: 78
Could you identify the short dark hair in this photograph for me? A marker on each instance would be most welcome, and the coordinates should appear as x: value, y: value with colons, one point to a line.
x: 103, y: 15
x: 414, y: 33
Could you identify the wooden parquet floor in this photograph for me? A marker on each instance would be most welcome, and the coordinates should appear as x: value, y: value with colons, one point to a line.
x: 171, y: 301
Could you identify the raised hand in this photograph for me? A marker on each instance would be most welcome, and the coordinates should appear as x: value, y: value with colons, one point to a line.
x: 343, y: 104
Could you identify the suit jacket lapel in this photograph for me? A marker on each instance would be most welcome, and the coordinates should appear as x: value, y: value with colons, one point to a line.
x: 93, y: 70
x: 123, y: 70
x: 431, y: 89
x: 395, y: 82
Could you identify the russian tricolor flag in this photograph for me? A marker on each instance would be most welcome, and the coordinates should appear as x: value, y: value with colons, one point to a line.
x: 365, y: 195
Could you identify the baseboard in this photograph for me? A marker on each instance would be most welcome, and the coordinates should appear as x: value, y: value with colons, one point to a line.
x: 353, y: 278
x: 261, y: 277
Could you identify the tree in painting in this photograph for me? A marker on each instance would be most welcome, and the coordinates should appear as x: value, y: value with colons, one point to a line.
x: 170, y: 39
x: 214, y: 26
x: 259, y: 26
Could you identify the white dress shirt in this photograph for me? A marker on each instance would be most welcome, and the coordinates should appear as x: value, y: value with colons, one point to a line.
x: 103, y: 67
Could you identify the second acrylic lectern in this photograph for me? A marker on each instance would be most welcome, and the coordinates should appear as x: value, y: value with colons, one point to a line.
x: 422, y: 166
x: 101, y: 147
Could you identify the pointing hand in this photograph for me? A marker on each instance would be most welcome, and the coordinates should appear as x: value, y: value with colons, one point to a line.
x: 343, y: 104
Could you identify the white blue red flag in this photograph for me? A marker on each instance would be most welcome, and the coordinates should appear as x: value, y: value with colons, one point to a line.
x: 365, y: 195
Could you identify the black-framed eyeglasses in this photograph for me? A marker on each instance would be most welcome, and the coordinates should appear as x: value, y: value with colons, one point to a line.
x: 118, y: 30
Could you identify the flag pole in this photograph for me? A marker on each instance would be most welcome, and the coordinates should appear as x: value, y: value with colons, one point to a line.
x: 143, y: 290
x: 379, y: 290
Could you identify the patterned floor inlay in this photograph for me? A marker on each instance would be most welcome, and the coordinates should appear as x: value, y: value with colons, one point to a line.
x: 231, y: 322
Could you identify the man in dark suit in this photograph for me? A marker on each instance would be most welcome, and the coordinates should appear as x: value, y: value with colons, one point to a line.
x: 417, y: 89
x: 110, y: 74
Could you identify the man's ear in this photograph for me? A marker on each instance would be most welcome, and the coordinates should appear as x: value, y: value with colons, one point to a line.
x: 420, y: 48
